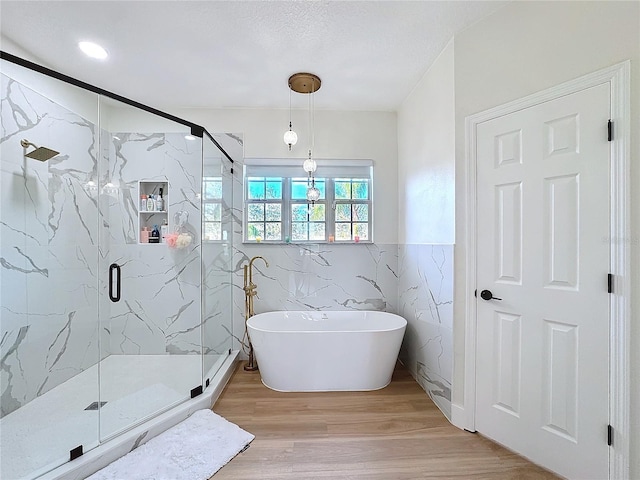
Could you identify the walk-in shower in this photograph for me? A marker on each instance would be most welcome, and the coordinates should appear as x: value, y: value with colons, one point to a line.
x: 106, y: 323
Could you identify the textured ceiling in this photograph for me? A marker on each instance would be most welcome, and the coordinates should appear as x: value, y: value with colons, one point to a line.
x: 216, y: 54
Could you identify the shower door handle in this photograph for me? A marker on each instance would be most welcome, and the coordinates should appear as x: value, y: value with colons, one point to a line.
x: 116, y: 297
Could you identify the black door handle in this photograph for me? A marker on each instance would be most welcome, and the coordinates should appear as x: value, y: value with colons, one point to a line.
x: 116, y: 297
x: 487, y: 295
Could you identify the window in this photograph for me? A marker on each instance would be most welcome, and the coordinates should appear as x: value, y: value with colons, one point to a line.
x: 212, y: 205
x: 308, y: 222
x: 276, y: 209
x: 264, y: 208
x: 352, y: 207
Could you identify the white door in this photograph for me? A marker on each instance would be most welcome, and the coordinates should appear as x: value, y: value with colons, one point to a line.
x: 543, y: 224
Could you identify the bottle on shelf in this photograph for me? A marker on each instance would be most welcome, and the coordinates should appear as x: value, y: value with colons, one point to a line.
x: 164, y: 231
x: 143, y: 203
x: 160, y: 202
x: 154, y: 237
x: 150, y: 205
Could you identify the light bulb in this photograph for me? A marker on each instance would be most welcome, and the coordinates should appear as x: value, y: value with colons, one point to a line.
x: 313, y: 194
x: 93, y: 50
x: 309, y: 165
x: 290, y: 138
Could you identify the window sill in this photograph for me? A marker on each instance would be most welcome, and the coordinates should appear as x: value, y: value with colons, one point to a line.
x: 302, y: 244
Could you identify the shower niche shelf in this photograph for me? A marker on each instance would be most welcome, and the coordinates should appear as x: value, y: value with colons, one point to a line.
x: 148, y: 213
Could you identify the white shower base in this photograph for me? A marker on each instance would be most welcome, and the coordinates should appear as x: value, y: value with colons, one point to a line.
x: 135, y: 387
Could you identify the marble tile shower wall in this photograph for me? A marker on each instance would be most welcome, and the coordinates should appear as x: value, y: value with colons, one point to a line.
x: 415, y: 281
x: 48, y: 255
x: 160, y: 310
x: 59, y: 234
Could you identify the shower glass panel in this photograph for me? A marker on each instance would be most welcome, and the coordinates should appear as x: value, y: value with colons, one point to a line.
x: 104, y: 325
x: 217, y: 195
x: 49, y: 345
x: 150, y: 309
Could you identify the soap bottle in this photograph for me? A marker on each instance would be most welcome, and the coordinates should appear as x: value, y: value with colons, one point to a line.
x: 164, y: 231
x: 143, y: 203
x: 150, y: 207
x: 160, y: 202
x: 155, y: 235
x: 144, y: 235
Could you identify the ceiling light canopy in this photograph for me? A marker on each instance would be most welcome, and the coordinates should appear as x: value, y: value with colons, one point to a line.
x: 93, y: 50
x: 304, y: 83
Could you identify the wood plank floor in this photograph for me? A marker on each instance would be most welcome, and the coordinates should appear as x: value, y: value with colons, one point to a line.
x: 396, y: 433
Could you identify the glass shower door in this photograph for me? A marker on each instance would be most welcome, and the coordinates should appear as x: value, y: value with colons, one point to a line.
x: 150, y: 308
x: 217, y: 232
x: 48, y: 277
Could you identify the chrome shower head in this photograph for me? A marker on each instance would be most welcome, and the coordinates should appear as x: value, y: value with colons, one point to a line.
x: 41, y: 154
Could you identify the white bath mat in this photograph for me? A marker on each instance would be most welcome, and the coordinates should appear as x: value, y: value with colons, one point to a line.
x: 194, y: 449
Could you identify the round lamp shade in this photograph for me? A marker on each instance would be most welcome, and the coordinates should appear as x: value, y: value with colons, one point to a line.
x: 290, y: 137
x: 313, y: 194
x: 309, y: 165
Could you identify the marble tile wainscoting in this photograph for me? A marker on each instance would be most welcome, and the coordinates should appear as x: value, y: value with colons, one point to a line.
x: 425, y: 300
x: 320, y: 277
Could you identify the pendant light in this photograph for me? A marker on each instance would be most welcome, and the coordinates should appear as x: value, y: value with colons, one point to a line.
x: 290, y: 137
x: 308, y: 83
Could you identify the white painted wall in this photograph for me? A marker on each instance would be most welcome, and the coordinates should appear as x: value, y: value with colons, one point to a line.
x: 350, y: 135
x: 523, y: 48
x: 426, y: 154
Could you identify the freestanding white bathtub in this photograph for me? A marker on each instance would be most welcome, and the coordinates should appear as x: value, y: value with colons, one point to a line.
x: 324, y: 351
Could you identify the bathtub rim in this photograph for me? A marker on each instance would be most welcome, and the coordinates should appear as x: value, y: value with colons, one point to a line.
x: 250, y: 324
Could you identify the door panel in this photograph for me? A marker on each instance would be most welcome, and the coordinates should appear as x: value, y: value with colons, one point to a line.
x: 507, y: 365
x: 560, y: 392
x: 509, y: 234
x: 542, y: 350
x: 561, y: 217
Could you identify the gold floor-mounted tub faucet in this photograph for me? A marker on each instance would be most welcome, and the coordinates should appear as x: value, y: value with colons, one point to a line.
x: 249, y: 293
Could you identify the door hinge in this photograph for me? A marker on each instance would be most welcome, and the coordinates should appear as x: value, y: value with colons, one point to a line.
x: 610, y: 283
x: 609, y: 435
x: 610, y: 130
x: 196, y: 391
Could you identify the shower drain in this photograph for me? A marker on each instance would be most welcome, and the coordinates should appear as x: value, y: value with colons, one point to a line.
x: 95, y: 405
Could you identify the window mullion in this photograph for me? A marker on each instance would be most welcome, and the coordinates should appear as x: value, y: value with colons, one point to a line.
x: 286, y: 208
x: 331, y: 215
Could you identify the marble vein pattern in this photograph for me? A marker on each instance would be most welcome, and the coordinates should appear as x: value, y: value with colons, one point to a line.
x: 425, y: 296
x: 64, y: 221
x: 48, y: 246
x: 159, y: 311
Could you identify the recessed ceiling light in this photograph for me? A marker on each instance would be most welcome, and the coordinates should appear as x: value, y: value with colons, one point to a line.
x: 93, y: 50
